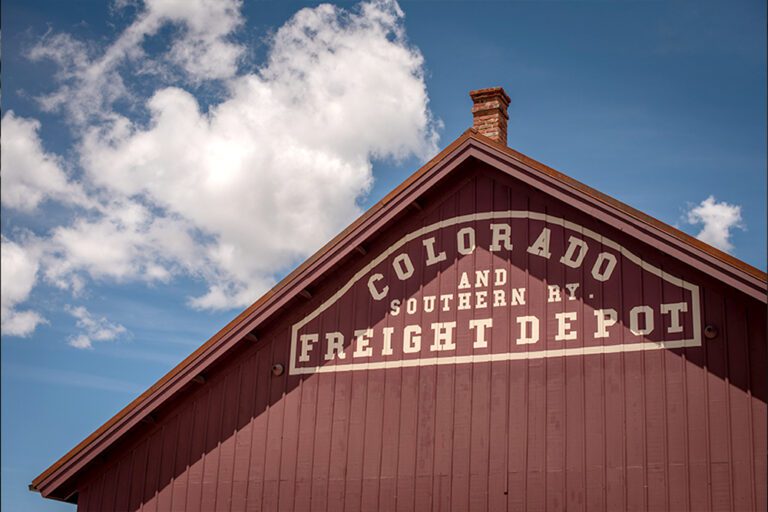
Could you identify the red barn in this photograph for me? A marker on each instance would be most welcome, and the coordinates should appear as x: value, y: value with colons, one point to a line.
x: 492, y: 335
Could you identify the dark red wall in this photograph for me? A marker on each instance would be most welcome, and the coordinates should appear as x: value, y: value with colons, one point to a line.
x: 681, y: 429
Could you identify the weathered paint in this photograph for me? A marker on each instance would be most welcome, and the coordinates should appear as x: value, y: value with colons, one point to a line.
x: 665, y: 429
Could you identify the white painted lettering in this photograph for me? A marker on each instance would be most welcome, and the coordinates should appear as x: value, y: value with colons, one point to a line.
x: 570, y: 258
x: 306, y: 347
x: 500, y: 233
x: 411, y: 339
x: 387, y: 348
x: 529, y: 330
x: 605, y: 319
x: 465, y: 241
x: 500, y: 277
x: 564, y: 325
x: 541, y: 246
x: 481, y: 278
x: 376, y: 293
x: 334, y: 346
x: 518, y: 297
x: 572, y: 287
x: 674, y: 311
x: 480, y: 325
x: 600, y: 273
x: 410, y: 306
x: 394, y: 307
x: 553, y: 293
x: 432, y: 258
x: 634, y: 320
x: 363, y: 338
x: 443, y: 336
x: 403, y: 266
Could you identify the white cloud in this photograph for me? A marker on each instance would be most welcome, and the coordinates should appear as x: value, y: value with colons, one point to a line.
x: 127, y: 242
x: 238, y: 194
x: 18, y: 276
x: 718, y: 220
x: 94, y: 329
x: 29, y: 174
x: 275, y: 170
x: 203, y: 50
x: 91, y: 81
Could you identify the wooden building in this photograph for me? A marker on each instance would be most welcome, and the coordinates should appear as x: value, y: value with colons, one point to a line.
x: 492, y: 335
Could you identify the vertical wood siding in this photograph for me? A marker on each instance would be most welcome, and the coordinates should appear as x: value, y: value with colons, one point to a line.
x: 657, y: 430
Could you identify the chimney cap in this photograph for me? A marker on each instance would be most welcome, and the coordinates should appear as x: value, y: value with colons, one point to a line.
x: 489, y: 92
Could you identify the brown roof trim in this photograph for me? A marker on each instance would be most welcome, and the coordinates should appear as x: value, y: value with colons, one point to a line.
x: 51, y: 481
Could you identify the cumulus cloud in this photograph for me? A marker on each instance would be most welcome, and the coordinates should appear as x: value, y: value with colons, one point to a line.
x: 126, y: 242
x: 18, y: 276
x: 94, y: 328
x: 238, y: 193
x: 275, y: 169
x: 717, y: 220
x: 91, y: 80
x: 29, y: 174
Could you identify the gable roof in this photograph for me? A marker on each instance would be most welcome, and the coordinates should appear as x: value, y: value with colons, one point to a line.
x: 57, y: 481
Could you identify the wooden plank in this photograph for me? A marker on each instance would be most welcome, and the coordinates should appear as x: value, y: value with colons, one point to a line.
x: 676, y: 416
x: 197, y: 452
x: 122, y: 493
x: 698, y: 433
x: 244, y: 434
x: 758, y: 357
x: 322, y: 441
x: 152, y: 472
x: 740, y: 424
x: 183, y: 457
x: 108, y: 489
x: 481, y: 374
x: 655, y: 402
x: 304, y: 459
x: 138, y: 467
x: 166, y: 464
x: 374, y: 425
x: 342, y: 395
x: 211, y: 456
x: 290, y: 438
x: 228, y: 438
x: 462, y: 413
x: 498, y: 414
x: 717, y: 404
x: 634, y: 394
x: 259, y: 426
x: 361, y: 315
x: 92, y: 496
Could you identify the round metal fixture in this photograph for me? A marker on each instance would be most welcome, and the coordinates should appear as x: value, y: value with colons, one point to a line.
x: 277, y: 369
x: 710, y: 332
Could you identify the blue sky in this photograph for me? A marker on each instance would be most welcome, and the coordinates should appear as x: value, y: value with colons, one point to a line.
x: 151, y: 182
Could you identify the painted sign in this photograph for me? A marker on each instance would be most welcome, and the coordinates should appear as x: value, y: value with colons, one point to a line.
x: 496, y: 286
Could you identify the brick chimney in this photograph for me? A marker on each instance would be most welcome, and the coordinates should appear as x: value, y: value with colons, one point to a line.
x: 490, y: 113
